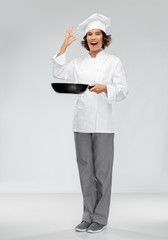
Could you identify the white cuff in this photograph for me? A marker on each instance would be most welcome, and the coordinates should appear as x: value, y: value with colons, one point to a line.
x: 111, y: 93
x: 61, y: 59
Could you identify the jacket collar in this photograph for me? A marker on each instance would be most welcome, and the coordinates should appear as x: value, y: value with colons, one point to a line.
x: 101, y: 53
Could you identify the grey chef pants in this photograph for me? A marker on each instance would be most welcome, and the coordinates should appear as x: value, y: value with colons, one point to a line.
x: 94, y: 155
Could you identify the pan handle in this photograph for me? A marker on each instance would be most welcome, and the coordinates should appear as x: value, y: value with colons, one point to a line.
x: 90, y: 87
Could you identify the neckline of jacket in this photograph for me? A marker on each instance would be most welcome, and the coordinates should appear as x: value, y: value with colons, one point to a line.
x: 101, y: 53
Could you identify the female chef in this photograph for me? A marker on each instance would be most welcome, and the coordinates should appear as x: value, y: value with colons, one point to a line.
x: 93, y: 124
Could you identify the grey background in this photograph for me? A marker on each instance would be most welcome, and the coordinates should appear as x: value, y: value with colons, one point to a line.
x: 37, y: 151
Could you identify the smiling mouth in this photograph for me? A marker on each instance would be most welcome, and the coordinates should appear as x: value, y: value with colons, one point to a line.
x: 94, y: 43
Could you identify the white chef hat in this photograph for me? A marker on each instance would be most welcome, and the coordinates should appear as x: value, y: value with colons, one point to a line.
x: 95, y: 21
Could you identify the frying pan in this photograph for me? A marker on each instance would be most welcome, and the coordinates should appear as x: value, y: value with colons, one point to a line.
x: 75, y: 88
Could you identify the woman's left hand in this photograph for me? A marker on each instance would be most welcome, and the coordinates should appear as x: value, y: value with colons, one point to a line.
x: 98, y: 88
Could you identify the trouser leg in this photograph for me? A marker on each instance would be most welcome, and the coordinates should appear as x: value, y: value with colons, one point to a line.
x: 84, y: 156
x: 103, y: 152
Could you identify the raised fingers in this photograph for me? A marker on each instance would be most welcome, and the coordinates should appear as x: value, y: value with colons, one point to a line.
x: 69, y: 30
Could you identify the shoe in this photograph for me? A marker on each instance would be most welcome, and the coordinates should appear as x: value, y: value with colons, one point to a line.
x: 96, y: 227
x: 82, y: 227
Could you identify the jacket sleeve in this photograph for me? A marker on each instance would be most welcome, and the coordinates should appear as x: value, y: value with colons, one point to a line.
x: 119, y: 88
x: 62, y: 69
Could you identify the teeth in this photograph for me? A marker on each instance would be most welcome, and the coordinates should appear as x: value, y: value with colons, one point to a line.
x: 94, y: 43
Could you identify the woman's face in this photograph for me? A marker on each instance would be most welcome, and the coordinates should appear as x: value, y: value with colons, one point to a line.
x: 94, y: 36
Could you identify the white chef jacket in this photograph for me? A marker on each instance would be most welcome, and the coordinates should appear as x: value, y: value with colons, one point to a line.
x: 93, y: 112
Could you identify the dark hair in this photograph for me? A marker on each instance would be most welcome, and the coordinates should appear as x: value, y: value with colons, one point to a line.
x: 106, y: 41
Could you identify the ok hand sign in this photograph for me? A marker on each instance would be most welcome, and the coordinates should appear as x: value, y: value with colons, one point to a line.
x: 69, y: 37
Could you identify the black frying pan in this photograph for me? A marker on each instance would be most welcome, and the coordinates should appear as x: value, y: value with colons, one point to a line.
x: 70, y: 87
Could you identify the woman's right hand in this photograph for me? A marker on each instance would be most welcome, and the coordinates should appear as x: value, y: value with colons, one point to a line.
x: 69, y: 37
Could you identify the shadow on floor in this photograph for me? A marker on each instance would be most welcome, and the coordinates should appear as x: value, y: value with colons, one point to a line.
x: 107, y: 234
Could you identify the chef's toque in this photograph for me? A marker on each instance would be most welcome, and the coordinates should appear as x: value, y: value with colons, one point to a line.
x: 95, y: 21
